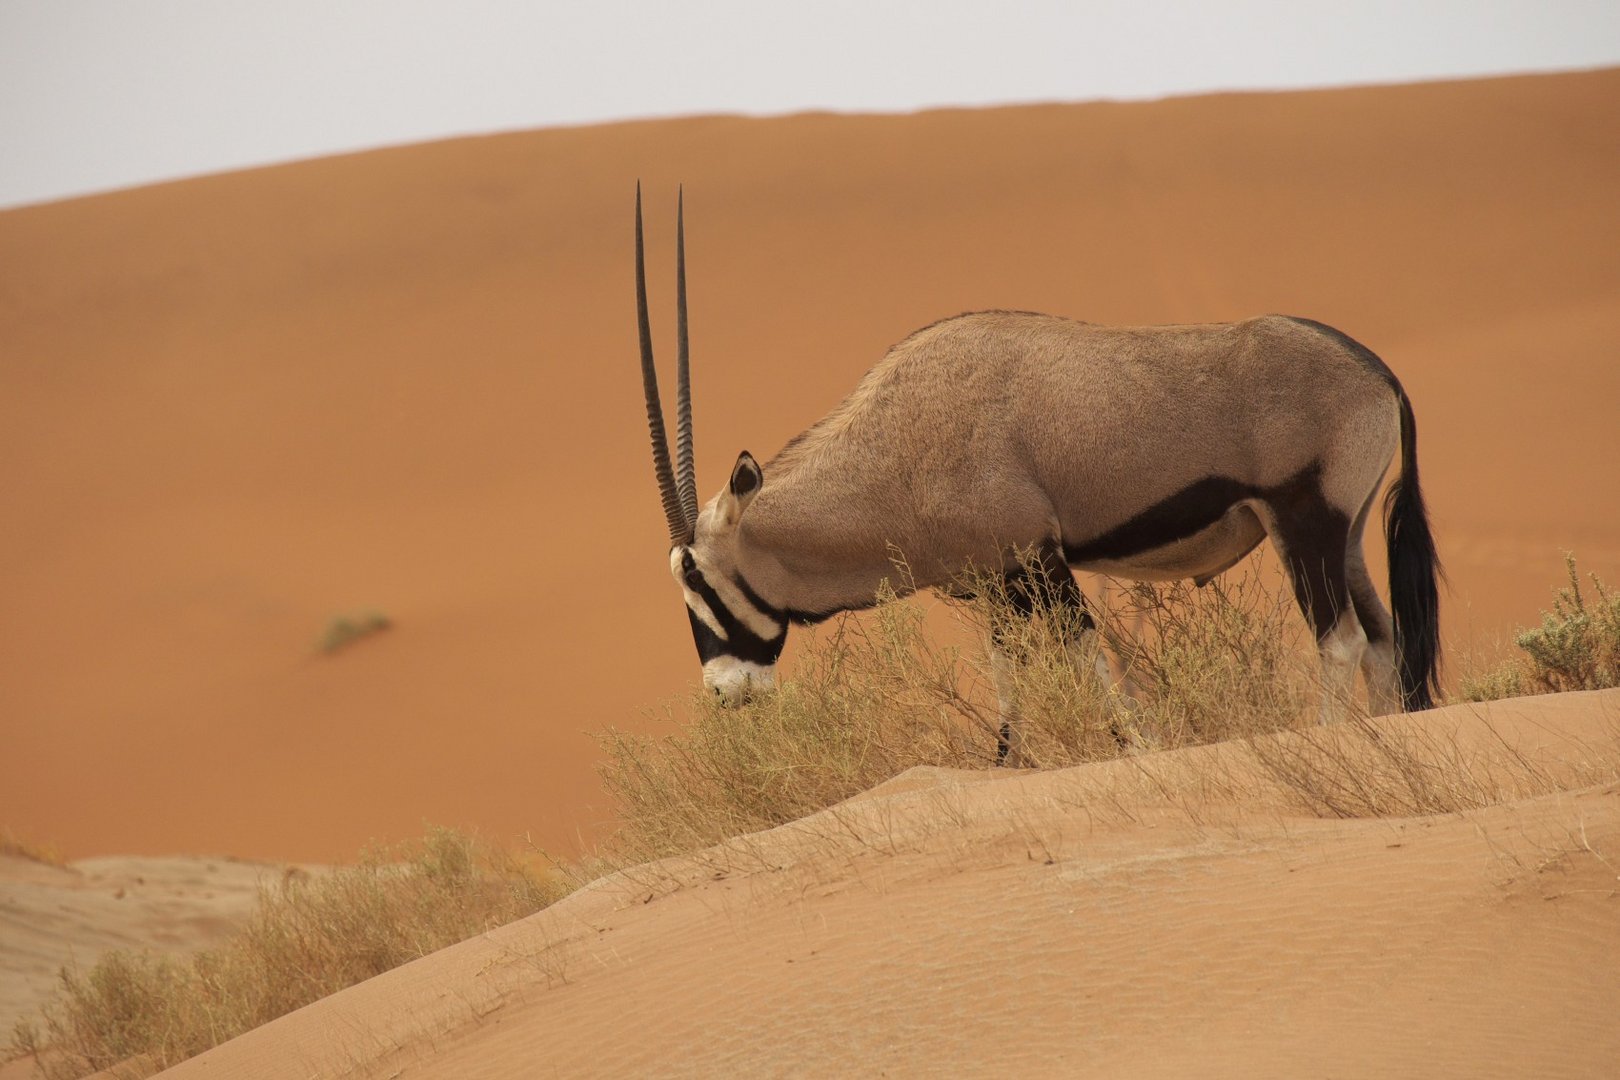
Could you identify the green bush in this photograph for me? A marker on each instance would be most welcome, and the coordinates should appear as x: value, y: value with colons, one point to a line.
x: 1576, y: 647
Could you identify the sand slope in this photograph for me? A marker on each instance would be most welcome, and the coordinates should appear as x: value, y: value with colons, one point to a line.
x: 235, y: 407
x: 1090, y: 922
x: 53, y: 917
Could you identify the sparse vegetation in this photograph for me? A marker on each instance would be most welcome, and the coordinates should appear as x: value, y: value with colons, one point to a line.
x: 1367, y: 767
x: 873, y: 695
x: 870, y: 696
x: 345, y: 630
x: 1576, y: 647
x: 136, y: 1014
x: 21, y: 848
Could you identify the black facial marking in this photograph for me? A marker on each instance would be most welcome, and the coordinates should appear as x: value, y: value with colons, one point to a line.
x: 777, y: 614
x: 740, y: 641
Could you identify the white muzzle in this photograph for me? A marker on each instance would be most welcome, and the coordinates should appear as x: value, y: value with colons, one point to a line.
x: 734, y: 680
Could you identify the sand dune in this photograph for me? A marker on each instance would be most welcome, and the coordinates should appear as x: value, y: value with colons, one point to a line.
x: 53, y: 917
x: 235, y: 407
x: 1087, y: 922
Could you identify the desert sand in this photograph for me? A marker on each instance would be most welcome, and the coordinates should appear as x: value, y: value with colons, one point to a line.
x: 1110, y: 920
x: 236, y: 407
x: 56, y: 916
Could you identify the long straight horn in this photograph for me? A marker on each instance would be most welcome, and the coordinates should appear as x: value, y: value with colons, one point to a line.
x: 680, y: 529
x: 685, y: 469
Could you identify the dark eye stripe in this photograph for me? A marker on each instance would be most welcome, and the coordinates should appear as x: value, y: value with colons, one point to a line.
x: 740, y: 641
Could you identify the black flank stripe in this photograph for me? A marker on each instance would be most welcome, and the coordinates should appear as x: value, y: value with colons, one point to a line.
x: 1191, y: 510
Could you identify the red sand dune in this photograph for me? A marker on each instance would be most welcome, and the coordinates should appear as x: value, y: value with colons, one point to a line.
x: 234, y: 407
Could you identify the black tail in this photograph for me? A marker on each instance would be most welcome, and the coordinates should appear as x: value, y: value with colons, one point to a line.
x: 1414, y: 575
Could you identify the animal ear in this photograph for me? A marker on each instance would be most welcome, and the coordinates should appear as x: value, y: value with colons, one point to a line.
x: 746, y: 480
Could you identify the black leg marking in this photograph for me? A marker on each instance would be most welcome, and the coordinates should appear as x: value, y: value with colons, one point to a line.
x: 1312, y: 537
x: 1370, y: 610
x: 1046, y: 584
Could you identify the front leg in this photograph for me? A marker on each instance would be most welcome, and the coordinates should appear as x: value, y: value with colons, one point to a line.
x: 1046, y: 588
x: 1010, y: 738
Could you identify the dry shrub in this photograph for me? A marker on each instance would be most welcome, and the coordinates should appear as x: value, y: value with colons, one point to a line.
x: 136, y: 1013
x: 1190, y: 665
x: 1372, y: 767
x: 19, y: 847
x: 873, y: 695
x: 869, y: 698
x: 344, y: 630
x: 1576, y: 647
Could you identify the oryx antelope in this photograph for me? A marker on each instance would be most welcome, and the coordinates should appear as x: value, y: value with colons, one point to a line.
x: 1149, y: 453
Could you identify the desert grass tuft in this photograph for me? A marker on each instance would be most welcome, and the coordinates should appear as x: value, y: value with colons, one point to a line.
x: 872, y: 695
x: 1370, y: 768
x: 136, y: 1013
x: 1576, y: 647
x: 869, y: 698
x: 19, y: 847
x: 344, y: 630
x: 1188, y: 666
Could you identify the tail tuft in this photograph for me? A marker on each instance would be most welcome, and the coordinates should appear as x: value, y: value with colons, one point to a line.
x: 1414, y: 575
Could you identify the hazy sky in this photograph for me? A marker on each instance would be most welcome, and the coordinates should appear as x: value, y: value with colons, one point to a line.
x: 98, y: 94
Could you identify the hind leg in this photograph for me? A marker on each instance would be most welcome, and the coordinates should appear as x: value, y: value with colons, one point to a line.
x: 1378, y: 661
x: 1339, y: 647
x: 1312, y: 537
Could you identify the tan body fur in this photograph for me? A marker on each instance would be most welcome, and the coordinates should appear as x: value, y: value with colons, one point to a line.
x: 999, y: 430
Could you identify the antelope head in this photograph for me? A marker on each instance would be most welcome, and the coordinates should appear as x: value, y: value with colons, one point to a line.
x: 738, y: 635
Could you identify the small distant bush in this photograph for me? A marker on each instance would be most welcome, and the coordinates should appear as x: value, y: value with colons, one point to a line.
x: 872, y: 695
x: 138, y: 1013
x: 1576, y: 647
x: 345, y: 630
x: 18, y: 847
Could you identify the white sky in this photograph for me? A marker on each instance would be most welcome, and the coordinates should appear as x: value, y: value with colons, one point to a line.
x: 100, y: 94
